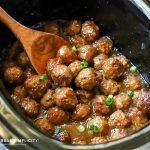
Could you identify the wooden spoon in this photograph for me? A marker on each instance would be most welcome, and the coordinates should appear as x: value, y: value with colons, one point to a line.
x: 40, y: 46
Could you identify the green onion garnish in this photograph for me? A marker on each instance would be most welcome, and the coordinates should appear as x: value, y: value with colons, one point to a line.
x: 84, y: 64
x: 74, y: 49
x: 109, y: 100
x: 81, y: 128
x: 133, y: 69
x: 57, y: 130
x: 130, y: 93
x: 43, y: 77
x: 94, y: 128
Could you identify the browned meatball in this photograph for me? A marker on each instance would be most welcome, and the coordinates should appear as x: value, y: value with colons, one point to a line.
x: 86, y: 53
x: 47, y: 99
x: 99, y: 60
x: 23, y: 59
x: 57, y: 116
x: 118, y: 119
x: 8, y: 64
x: 20, y: 92
x: 87, y: 79
x: 100, y: 123
x: 52, y: 63
x: 52, y: 27
x: 30, y: 107
x: 65, y: 98
x: 122, y: 101
x: 89, y: 31
x: 103, y: 45
x: 73, y: 27
x: 36, y: 88
x: 29, y: 71
x: 108, y: 86
x: 112, y: 68
x: 77, y: 41
x: 13, y: 75
x: 132, y: 82
x: 61, y: 75
x: 63, y: 136
x: 66, y: 54
x: 98, y: 140
x: 99, y: 104
x: 84, y: 96
x: 75, y: 67
x: 44, y: 125
x: 81, y: 111
x: 144, y: 102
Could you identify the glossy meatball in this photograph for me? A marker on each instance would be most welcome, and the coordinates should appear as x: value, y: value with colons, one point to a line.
x: 63, y: 136
x: 66, y: 54
x: 100, y: 106
x: 84, y: 96
x: 108, y: 86
x: 132, y: 82
x: 65, y: 98
x: 20, y: 92
x: 122, y: 101
x: 87, y: 79
x: 100, y: 123
x: 99, y: 60
x: 118, y: 119
x: 61, y: 75
x: 47, y: 100
x: 86, y: 53
x: 36, y: 88
x: 82, y: 111
x: 23, y: 59
x: 29, y: 71
x: 144, y: 102
x: 77, y: 41
x: 13, y: 75
x: 89, y: 31
x: 112, y: 68
x: 30, y: 107
x: 57, y: 116
x: 98, y: 140
x: 75, y: 67
x: 44, y: 125
x: 103, y: 45
x: 52, y: 63
x: 73, y: 27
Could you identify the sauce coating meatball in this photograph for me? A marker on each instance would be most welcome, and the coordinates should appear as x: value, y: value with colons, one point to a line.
x: 65, y: 98
x: 28, y: 72
x: 63, y: 136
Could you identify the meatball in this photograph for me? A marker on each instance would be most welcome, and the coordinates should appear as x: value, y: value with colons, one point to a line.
x: 52, y: 27
x: 84, y: 96
x: 100, y: 106
x: 75, y: 67
x: 103, y: 45
x: 57, y: 116
x: 98, y: 140
x: 66, y: 54
x: 144, y: 102
x: 36, y: 88
x: 89, y: 31
x: 61, y: 75
x: 118, y: 119
x: 99, y: 60
x: 44, y: 125
x: 29, y: 71
x: 132, y: 82
x: 65, y: 98
x: 13, y: 75
x: 30, y: 107
x: 112, y: 68
x: 86, y: 53
x: 47, y: 99
x: 87, y: 79
x: 108, y: 86
x: 19, y: 92
x: 100, y: 123
x: 63, y: 136
x: 77, y: 41
x: 73, y: 27
x: 52, y: 63
x: 82, y: 111
x: 122, y: 101
x: 8, y: 64
x: 23, y: 59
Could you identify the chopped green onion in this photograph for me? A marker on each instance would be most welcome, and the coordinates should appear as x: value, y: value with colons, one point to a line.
x: 130, y: 93
x: 74, y: 49
x: 57, y: 130
x: 81, y: 128
x: 84, y: 64
x: 133, y: 69
x: 94, y: 128
x: 109, y: 100
x: 43, y: 77
x: 57, y: 89
x: 96, y: 89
